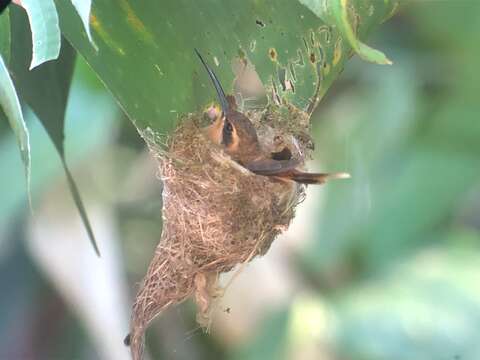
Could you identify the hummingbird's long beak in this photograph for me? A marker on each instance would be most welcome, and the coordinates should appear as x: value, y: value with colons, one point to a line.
x: 216, y: 83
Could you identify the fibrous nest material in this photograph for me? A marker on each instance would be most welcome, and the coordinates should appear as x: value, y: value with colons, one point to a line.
x: 216, y: 214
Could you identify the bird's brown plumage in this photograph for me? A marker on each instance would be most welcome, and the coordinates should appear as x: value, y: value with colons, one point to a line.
x: 236, y: 133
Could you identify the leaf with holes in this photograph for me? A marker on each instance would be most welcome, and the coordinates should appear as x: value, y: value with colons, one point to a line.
x: 345, y: 16
x: 145, y: 51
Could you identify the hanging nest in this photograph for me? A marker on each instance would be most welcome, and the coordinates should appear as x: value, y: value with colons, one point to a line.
x: 216, y: 214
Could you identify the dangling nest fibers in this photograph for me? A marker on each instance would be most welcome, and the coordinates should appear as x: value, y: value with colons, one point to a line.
x: 216, y: 214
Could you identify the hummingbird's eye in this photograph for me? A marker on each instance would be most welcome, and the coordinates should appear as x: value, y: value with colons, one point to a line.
x: 227, y: 133
x: 228, y: 126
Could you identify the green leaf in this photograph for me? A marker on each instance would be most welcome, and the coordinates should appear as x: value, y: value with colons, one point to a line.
x: 81, y: 208
x: 46, y: 37
x: 10, y: 105
x: 83, y: 9
x: 91, y: 118
x: 5, y: 36
x: 145, y: 51
x: 340, y: 13
x: 46, y: 90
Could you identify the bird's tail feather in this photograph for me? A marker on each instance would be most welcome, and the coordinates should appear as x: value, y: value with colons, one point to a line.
x: 315, y: 178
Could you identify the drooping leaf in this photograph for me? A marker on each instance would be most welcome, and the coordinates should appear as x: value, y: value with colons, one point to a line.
x: 46, y: 89
x: 81, y: 208
x: 10, y: 105
x: 46, y: 38
x: 343, y: 14
x: 145, y: 51
x: 83, y: 9
x: 91, y: 117
x: 5, y: 36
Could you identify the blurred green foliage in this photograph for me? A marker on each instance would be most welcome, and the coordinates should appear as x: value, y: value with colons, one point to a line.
x: 393, y: 259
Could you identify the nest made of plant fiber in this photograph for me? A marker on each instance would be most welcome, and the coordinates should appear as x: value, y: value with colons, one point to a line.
x: 216, y: 215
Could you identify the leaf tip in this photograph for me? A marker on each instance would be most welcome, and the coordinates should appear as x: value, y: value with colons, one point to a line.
x: 370, y: 54
x: 81, y: 208
x: 95, y: 248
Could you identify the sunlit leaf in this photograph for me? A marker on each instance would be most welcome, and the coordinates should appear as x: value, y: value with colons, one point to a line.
x: 10, y: 105
x: 145, y: 51
x: 46, y: 38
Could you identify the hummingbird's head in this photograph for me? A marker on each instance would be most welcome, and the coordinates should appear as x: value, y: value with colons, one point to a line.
x: 238, y: 134
x: 232, y: 129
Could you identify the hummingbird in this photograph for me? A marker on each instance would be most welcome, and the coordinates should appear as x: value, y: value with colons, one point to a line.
x: 236, y: 134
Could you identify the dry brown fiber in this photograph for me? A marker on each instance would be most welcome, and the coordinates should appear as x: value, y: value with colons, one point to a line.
x: 216, y: 214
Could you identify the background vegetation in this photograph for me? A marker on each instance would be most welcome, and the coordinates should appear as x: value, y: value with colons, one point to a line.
x: 384, y: 266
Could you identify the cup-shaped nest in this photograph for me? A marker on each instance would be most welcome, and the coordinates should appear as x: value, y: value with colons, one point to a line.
x: 216, y: 215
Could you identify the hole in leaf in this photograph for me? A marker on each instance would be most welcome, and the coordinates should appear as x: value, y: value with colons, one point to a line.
x: 319, y: 67
x: 292, y: 71
x: 260, y: 23
x: 300, y: 60
x: 312, y: 38
x: 275, y: 97
x: 324, y: 33
x: 306, y: 44
x: 281, y: 77
x: 328, y: 35
x: 321, y: 57
x: 273, y: 54
x: 289, y: 86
